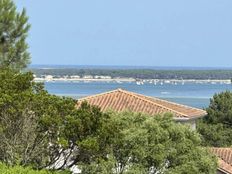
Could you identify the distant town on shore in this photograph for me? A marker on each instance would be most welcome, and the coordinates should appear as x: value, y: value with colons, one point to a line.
x: 140, y: 76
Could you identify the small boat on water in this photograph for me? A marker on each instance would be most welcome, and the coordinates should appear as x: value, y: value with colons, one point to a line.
x: 139, y: 83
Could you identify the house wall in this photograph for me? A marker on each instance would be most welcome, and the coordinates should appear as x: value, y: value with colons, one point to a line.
x: 191, y: 123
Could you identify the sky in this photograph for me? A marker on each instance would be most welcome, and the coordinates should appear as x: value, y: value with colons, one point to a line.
x: 196, y: 33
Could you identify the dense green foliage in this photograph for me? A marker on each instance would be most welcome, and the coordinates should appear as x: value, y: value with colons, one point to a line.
x: 87, y: 133
x: 36, y: 128
x: 146, y: 144
x: 39, y: 130
x: 13, y: 32
x: 216, y: 127
x: 29, y: 119
x: 137, y: 73
x: 26, y: 170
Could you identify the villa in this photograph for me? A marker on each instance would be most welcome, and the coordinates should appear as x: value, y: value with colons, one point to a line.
x: 122, y: 100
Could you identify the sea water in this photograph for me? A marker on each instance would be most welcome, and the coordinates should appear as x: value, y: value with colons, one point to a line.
x: 191, y: 93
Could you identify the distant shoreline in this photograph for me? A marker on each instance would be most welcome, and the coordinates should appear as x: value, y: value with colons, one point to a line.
x: 166, y: 81
x: 74, y: 74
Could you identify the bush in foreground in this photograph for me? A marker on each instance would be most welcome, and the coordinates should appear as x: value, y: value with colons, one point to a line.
x: 154, y: 145
x: 40, y: 130
x: 4, y: 169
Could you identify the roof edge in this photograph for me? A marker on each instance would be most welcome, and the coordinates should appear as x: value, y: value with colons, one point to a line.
x: 96, y: 95
x: 188, y: 119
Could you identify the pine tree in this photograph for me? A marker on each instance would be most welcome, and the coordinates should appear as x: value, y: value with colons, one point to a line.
x: 14, y: 29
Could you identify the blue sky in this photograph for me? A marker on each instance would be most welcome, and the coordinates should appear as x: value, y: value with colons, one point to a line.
x: 130, y: 32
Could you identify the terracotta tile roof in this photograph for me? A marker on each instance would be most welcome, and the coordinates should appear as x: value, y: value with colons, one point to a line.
x: 224, y: 159
x: 120, y: 100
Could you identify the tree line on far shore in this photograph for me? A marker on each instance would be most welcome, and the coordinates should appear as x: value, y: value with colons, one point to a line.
x: 136, y: 73
x: 43, y: 133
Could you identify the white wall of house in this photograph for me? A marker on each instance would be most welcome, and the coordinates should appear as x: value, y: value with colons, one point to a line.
x: 190, y: 123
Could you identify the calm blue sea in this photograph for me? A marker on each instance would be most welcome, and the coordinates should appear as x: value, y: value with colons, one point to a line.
x: 192, y: 94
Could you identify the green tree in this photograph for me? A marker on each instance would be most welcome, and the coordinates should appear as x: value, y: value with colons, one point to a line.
x: 86, y: 136
x: 41, y: 130
x: 4, y: 169
x: 146, y: 144
x: 13, y: 33
x: 25, y: 110
x: 216, y: 127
